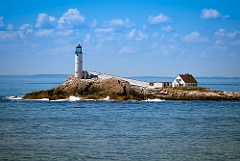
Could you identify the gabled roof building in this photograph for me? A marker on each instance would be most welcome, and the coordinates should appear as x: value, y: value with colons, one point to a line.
x: 184, y: 80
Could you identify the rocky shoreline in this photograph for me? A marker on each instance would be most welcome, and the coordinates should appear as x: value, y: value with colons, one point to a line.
x: 118, y: 89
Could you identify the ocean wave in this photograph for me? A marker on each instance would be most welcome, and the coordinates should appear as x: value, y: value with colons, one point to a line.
x: 12, y: 98
x: 74, y: 99
x: 154, y: 100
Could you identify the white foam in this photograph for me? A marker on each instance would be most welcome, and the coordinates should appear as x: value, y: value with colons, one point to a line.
x: 59, y: 100
x: 13, y: 98
x: 42, y: 99
x: 73, y: 98
x: 107, y: 98
x: 154, y: 100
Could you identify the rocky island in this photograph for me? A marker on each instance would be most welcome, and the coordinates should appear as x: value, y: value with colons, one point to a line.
x: 119, y: 89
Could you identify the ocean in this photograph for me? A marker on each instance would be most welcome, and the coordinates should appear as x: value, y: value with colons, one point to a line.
x: 116, y: 130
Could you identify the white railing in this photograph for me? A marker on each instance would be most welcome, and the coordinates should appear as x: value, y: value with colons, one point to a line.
x: 131, y: 81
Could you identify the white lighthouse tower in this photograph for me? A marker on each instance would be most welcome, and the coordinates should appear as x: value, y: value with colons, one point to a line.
x: 78, y: 62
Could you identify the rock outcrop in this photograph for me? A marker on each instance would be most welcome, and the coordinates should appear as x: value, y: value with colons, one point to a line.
x: 122, y: 90
x: 90, y: 89
x: 193, y: 94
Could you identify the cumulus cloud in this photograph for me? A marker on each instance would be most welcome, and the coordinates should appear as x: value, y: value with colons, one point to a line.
x: 220, y: 47
x: 9, y: 27
x: 93, y: 24
x: 45, y: 21
x: 104, y: 30
x: 71, y: 19
x: 212, y: 14
x: 1, y: 22
x: 119, y: 23
x: 3, y: 26
x: 45, y: 33
x: 7, y: 35
x: 126, y: 50
x: 233, y: 34
x: 194, y: 37
x: 167, y: 28
x: 220, y: 33
x: 131, y: 34
x: 224, y: 33
x: 158, y: 19
x: 24, y: 30
x: 141, y: 36
x: 64, y: 32
x: 219, y: 42
x: 87, y: 38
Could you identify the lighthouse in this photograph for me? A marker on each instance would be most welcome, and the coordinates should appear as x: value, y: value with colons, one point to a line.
x: 78, y: 62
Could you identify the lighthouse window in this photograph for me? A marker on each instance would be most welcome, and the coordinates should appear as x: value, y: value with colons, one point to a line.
x: 78, y: 49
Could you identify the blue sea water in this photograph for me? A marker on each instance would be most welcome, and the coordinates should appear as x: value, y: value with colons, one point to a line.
x: 116, y: 130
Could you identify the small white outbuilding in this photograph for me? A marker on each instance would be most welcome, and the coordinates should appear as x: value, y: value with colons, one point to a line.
x: 184, y: 80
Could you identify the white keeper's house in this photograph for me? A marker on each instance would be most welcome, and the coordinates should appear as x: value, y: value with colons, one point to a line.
x: 184, y: 80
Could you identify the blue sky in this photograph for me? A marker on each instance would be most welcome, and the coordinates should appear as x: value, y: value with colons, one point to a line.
x: 121, y: 37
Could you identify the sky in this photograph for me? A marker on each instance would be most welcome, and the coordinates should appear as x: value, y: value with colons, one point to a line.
x: 121, y: 37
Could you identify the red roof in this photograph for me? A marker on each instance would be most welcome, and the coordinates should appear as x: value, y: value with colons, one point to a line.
x: 188, y: 78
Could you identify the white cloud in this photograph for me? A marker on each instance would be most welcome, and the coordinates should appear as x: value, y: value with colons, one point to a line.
x: 167, y: 28
x: 46, y: 33
x: 219, y: 42
x: 93, y: 24
x: 104, y: 30
x: 105, y: 37
x: 1, y: 22
x: 64, y: 32
x: 142, y: 36
x: 225, y: 16
x: 3, y: 26
x: 131, y: 34
x: 224, y: 33
x: 233, y: 34
x: 71, y: 19
x: 220, y: 33
x: 45, y: 21
x: 194, y: 37
x: 7, y: 35
x: 220, y: 47
x: 210, y: 13
x: 9, y: 27
x: 127, y: 49
x: 119, y: 23
x: 87, y: 39
x: 158, y: 19
x: 24, y: 30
